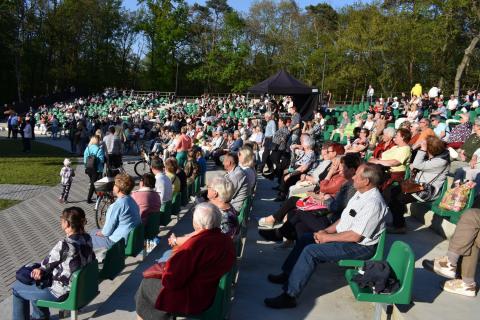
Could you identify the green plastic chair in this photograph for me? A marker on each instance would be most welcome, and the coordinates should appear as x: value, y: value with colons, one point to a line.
x: 114, y: 261
x: 135, y: 241
x: 166, y: 213
x: 221, y: 303
x: 84, y: 288
x: 453, y: 216
x: 402, y: 262
x: 378, y: 256
x: 153, y: 225
x: 176, y: 203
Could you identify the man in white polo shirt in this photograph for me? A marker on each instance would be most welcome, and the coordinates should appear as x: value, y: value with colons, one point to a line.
x: 354, y: 236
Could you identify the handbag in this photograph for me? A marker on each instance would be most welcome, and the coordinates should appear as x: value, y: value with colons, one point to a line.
x: 155, y: 271
x: 456, y: 198
x: 423, y: 191
x: 410, y: 186
x: 24, y: 276
x: 310, y: 204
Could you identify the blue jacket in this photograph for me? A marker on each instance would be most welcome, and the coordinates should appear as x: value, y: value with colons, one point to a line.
x: 122, y: 217
x: 95, y: 150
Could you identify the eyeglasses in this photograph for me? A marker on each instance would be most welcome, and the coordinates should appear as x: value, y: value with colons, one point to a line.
x: 330, y: 150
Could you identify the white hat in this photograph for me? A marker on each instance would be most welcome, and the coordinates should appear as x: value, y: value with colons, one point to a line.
x: 67, y: 162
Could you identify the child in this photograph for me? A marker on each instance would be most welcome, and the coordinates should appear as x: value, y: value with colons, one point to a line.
x: 67, y: 173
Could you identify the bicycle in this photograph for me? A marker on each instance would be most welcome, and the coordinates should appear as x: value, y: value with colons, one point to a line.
x: 142, y: 166
x: 105, y: 196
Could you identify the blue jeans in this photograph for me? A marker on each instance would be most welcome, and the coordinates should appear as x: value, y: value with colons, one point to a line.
x: 23, y: 294
x: 307, y: 254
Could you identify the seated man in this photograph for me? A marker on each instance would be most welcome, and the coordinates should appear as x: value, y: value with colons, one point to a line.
x: 237, y: 176
x: 353, y: 236
x: 465, y: 243
x: 187, y: 282
x: 122, y: 216
x: 465, y: 154
x: 163, y: 184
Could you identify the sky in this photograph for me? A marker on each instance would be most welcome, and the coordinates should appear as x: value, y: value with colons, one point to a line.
x: 243, y: 5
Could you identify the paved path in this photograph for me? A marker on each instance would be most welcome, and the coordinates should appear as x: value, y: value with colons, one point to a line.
x: 20, y: 191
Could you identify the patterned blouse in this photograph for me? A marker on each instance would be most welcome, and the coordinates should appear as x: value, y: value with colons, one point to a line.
x: 460, y: 133
x: 280, y: 138
x: 229, y: 224
x: 68, y: 255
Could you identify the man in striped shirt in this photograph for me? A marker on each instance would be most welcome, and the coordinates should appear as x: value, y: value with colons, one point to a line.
x: 354, y: 236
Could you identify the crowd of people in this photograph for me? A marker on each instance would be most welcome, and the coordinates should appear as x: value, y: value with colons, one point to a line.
x: 349, y: 162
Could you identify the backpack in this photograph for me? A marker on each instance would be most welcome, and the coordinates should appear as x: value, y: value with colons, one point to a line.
x: 91, y: 163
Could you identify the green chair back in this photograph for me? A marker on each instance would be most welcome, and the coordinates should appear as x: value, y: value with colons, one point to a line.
x: 166, y: 213
x: 176, y: 203
x: 153, y: 225
x: 83, y: 289
x: 135, y: 241
x: 114, y: 261
x: 402, y: 262
x: 378, y: 256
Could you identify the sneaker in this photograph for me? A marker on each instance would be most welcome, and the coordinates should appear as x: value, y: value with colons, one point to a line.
x: 283, y: 301
x: 270, y: 234
x: 459, y: 287
x: 262, y: 223
x: 440, y: 266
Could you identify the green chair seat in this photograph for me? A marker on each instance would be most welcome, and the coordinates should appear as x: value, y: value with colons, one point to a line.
x: 378, y: 256
x: 166, y: 213
x: 402, y: 262
x: 83, y: 289
x: 114, y: 261
x: 135, y: 241
x: 176, y: 203
x: 453, y: 216
x: 153, y: 225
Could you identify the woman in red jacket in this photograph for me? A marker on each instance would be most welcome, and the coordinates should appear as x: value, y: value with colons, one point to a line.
x: 186, y: 284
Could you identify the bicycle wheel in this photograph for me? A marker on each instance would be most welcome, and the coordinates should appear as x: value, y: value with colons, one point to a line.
x: 141, y: 167
x: 101, y: 207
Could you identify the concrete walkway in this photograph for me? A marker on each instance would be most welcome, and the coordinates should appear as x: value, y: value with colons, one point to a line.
x: 20, y: 191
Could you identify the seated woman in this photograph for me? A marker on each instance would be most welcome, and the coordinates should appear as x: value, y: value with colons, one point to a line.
x: 186, y: 284
x: 69, y: 254
x: 146, y: 197
x: 432, y: 162
x: 464, y: 243
x: 171, y: 167
x: 387, y: 143
x: 470, y: 172
x: 300, y: 222
x: 396, y: 158
x: 122, y: 216
x: 310, y: 181
x: 360, y: 145
x: 460, y: 132
x: 301, y: 165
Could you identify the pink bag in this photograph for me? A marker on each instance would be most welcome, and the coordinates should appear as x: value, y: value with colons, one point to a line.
x: 310, y: 204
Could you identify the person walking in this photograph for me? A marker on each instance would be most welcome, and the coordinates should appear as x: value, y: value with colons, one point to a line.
x: 66, y: 173
x: 27, y: 136
x: 93, y: 159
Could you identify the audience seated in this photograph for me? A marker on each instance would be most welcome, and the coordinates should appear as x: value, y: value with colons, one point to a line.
x: 460, y: 132
x: 431, y: 165
x: 238, y: 178
x: 67, y: 256
x: 171, y: 167
x: 465, y: 153
x: 122, y: 216
x: 163, y: 184
x: 353, y: 236
x: 246, y: 161
x: 186, y: 284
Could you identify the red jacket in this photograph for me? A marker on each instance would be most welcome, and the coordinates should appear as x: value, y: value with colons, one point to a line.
x: 191, y: 275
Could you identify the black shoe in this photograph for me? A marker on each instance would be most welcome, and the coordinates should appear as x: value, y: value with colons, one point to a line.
x: 283, y: 301
x: 279, y: 199
x: 280, y: 278
x: 270, y: 234
x: 89, y: 201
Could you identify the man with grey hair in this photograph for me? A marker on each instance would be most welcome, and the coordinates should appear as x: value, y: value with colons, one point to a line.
x: 354, y: 236
x: 267, y: 143
x: 238, y: 178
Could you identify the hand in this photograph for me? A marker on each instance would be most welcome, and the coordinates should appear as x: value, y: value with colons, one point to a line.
x: 36, y: 274
x: 462, y: 156
x: 172, y: 240
x: 99, y: 233
x: 473, y: 163
x: 320, y: 236
x: 303, y: 177
x: 287, y: 177
x: 423, y: 145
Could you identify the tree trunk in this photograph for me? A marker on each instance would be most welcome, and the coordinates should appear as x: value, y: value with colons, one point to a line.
x: 463, y: 64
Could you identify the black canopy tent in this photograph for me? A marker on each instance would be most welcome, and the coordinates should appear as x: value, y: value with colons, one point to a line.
x: 304, y: 97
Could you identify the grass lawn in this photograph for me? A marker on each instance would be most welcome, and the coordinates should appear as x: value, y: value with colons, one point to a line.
x: 39, y: 167
x: 4, y: 203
